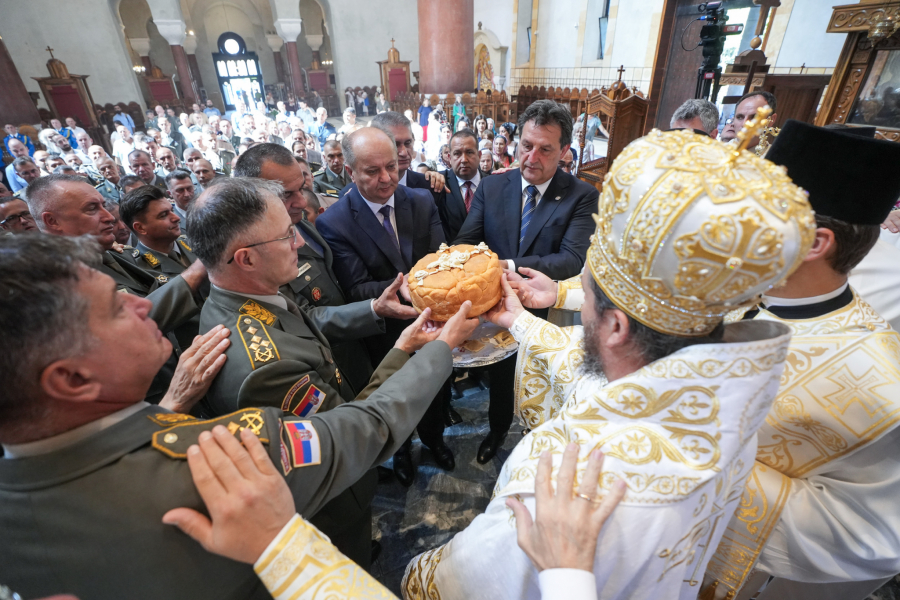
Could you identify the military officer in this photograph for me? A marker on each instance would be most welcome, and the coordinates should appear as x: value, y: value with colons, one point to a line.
x: 103, y: 467
x: 109, y: 184
x: 316, y: 283
x: 333, y: 178
x: 281, y: 354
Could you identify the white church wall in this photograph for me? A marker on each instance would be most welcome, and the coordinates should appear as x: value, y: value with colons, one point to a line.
x: 85, y: 35
x: 496, y: 17
x: 556, y: 37
x: 805, y: 41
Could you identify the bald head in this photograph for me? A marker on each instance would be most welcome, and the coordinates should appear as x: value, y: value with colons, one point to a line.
x: 371, y: 159
x: 17, y: 148
x: 203, y: 171
x: 108, y: 168
x: 67, y: 205
x: 96, y: 152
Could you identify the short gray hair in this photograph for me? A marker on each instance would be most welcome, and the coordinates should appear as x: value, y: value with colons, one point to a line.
x: 348, y: 142
x: 547, y: 112
x: 225, y: 211
x: 695, y: 107
x: 42, y: 194
x: 251, y: 162
x: 387, y: 120
x: 40, y: 309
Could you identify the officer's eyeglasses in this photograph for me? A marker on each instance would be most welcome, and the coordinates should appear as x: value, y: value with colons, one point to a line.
x: 16, y: 218
x: 291, y: 236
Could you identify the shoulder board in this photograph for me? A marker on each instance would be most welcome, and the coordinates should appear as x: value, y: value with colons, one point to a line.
x: 184, y: 244
x: 319, y: 172
x: 175, y: 440
x: 257, y: 342
x: 100, y: 185
x: 151, y: 260
x: 330, y: 193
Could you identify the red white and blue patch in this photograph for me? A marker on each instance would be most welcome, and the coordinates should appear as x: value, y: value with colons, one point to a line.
x: 303, y: 442
x: 310, y: 402
x: 289, y: 397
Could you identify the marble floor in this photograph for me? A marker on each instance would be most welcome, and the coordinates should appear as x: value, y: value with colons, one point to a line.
x: 408, y: 521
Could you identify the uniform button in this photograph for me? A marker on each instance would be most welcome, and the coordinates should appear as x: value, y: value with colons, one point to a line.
x: 170, y: 438
x: 307, y: 277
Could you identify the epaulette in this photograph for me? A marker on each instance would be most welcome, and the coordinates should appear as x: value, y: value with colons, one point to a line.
x: 254, y: 310
x: 319, y: 172
x: 257, y: 341
x: 330, y: 194
x: 175, y: 440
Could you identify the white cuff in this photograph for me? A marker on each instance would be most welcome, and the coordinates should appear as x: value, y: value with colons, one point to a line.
x: 567, y: 584
x: 510, y: 265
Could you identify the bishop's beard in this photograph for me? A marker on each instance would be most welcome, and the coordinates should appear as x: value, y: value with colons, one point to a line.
x: 593, y: 363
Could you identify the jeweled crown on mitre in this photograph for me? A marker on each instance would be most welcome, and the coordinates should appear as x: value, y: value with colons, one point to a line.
x: 690, y: 229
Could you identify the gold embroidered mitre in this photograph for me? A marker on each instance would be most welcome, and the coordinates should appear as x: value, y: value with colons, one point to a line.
x: 690, y: 228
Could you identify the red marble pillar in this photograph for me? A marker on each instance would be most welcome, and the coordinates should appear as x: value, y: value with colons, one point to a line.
x: 195, y: 70
x: 446, y: 46
x: 188, y: 85
x: 294, y: 68
x: 279, y: 67
x: 16, y: 106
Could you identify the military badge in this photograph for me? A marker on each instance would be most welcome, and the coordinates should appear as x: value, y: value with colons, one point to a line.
x: 316, y: 294
x: 286, y: 403
x: 252, y: 309
x: 257, y: 343
x: 184, y: 245
x: 303, y: 442
x: 162, y: 279
x: 151, y: 260
x: 135, y: 253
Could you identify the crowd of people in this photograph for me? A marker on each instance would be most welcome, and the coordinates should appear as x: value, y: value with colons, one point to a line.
x: 210, y: 326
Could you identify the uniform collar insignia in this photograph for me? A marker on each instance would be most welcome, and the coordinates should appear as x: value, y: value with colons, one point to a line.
x: 154, y: 262
x: 253, y: 309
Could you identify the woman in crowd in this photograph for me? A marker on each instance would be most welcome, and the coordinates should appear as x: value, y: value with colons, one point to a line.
x: 502, y: 160
x: 508, y: 130
x: 480, y: 126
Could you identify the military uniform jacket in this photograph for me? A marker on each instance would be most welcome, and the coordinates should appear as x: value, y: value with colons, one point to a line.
x: 317, y: 285
x: 326, y: 182
x: 173, y: 303
x: 277, y: 358
x: 87, y: 518
x: 109, y: 191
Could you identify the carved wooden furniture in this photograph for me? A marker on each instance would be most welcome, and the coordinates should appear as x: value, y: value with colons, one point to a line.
x: 863, y: 89
x: 625, y: 110
x: 69, y: 96
x: 394, y: 74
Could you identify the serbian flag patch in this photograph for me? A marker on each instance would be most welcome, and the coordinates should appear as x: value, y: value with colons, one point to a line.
x: 310, y: 402
x: 303, y: 442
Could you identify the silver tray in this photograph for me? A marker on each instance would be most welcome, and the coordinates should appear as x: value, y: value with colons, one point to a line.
x: 489, y: 344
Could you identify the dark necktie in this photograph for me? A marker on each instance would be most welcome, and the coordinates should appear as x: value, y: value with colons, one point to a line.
x: 527, y: 212
x: 469, y: 193
x: 386, y: 212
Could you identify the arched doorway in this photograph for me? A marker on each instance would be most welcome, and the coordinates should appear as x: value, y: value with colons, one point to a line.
x: 238, y: 72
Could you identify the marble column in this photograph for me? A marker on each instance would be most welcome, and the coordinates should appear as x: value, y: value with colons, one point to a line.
x: 142, y: 47
x: 16, y: 106
x: 289, y: 29
x: 190, y: 48
x: 275, y: 43
x: 174, y: 32
x: 446, y: 46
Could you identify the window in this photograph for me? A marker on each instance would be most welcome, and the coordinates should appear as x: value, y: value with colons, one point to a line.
x: 603, y: 22
x: 238, y: 71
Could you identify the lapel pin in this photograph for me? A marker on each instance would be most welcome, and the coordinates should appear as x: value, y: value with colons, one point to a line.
x: 558, y: 197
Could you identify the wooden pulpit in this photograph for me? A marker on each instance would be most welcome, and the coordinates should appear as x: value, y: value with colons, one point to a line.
x: 394, y: 74
x: 69, y: 96
x: 625, y: 111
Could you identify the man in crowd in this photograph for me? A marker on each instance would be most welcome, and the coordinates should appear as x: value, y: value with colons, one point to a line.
x: 66, y: 132
x: 131, y: 182
x: 166, y: 160
x: 228, y: 133
x: 53, y: 161
x: 142, y: 165
x: 698, y: 115
x: 91, y: 364
x: 124, y: 119
x: 40, y: 159
x: 15, y: 216
x: 72, y: 124
x: 203, y: 171
x: 27, y: 171
x: 182, y: 192
x: 123, y: 146
x: 322, y: 129
x: 306, y: 114
x: 210, y: 110
x: 109, y: 187
x: 745, y: 110
x: 567, y: 162
x: 334, y: 177
x: 84, y: 146
x: 18, y: 150
x: 12, y: 133
x: 172, y: 138
x: 123, y: 235
x: 537, y: 217
x: 313, y: 207
x: 466, y: 176
x: 377, y: 230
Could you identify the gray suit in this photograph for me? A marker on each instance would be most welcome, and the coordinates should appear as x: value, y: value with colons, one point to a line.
x: 86, y: 519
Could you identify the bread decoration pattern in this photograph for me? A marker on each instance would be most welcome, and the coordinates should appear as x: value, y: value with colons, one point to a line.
x: 452, y: 275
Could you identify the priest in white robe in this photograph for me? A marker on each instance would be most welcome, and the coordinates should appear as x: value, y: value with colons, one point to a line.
x: 688, y: 229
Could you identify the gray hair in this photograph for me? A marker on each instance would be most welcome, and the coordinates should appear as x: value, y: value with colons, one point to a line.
x: 139, y: 152
x: 41, y: 309
x: 251, y: 162
x: 650, y: 344
x: 547, y: 112
x: 44, y: 137
x: 224, y: 212
x: 177, y: 175
x: 390, y: 119
x: 189, y: 151
x: 349, y: 141
x: 23, y: 160
x: 42, y: 194
x: 695, y: 107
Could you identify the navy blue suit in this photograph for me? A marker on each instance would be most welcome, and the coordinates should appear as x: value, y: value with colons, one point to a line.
x: 452, y: 208
x: 556, y: 244
x: 558, y: 236
x: 366, y: 262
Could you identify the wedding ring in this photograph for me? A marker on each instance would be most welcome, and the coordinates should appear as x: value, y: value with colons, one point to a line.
x: 586, y: 497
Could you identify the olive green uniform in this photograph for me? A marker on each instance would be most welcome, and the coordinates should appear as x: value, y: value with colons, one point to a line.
x: 324, y: 181
x: 318, y: 286
x: 109, y: 191
x: 86, y: 519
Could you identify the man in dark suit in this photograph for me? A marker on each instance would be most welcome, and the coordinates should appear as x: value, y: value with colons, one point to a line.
x: 316, y: 283
x: 537, y: 217
x: 465, y: 179
x: 377, y: 230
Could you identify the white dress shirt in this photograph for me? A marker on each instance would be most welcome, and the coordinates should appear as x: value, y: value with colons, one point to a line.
x: 542, y: 188
x: 377, y: 207
x: 475, y: 181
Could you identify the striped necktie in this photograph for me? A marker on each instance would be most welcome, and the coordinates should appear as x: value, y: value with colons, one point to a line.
x: 527, y: 212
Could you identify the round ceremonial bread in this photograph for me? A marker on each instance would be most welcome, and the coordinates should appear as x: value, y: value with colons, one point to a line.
x: 449, y: 277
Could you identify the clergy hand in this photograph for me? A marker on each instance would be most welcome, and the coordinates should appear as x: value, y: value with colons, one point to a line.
x: 388, y: 306
x: 197, y: 367
x: 567, y: 524
x: 249, y: 502
x: 508, y: 309
x: 535, y: 290
x: 892, y: 223
x: 437, y: 182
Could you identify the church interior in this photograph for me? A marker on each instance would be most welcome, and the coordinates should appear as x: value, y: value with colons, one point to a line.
x: 641, y: 251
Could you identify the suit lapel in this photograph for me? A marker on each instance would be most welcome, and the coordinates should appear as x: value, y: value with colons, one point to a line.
x: 512, y: 209
x: 405, y: 233
x: 547, y: 205
x: 456, y: 203
x: 367, y: 221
